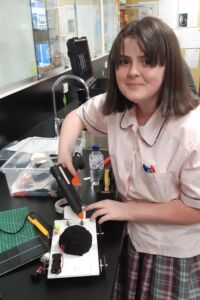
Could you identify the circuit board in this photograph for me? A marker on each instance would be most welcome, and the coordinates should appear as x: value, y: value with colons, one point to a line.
x: 73, y: 265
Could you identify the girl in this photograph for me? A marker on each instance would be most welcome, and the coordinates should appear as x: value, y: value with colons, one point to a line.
x: 151, y: 119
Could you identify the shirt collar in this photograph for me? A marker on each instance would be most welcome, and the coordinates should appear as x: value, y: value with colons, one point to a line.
x: 149, y: 132
x: 128, y: 118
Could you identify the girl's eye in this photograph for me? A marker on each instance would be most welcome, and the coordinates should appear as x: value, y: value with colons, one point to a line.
x: 123, y: 61
x: 145, y: 61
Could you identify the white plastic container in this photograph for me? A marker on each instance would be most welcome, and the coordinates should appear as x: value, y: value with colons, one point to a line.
x: 28, y: 176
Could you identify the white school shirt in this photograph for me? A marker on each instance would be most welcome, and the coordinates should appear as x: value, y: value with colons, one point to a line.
x: 172, y: 147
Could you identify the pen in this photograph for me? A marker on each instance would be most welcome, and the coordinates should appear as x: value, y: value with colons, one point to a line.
x: 146, y: 169
x: 107, y: 160
x: 150, y: 169
x: 39, y: 226
x: 39, y: 193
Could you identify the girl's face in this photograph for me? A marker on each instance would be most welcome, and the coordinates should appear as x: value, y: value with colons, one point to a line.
x: 138, y: 81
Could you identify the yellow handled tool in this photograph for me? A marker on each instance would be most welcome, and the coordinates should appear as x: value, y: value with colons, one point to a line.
x: 39, y: 226
x: 106, y: 180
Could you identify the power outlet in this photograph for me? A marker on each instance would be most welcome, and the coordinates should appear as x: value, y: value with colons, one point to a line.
x: 65, y: 88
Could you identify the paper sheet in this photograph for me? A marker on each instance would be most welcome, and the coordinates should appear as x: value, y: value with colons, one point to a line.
x: 192, y: 58
x: 168, y: 12
x: 191, y: 8
x: 189, y: 38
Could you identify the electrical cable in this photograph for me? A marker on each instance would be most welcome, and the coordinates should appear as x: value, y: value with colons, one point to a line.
x: 24, y: 222
x: 18, y: 230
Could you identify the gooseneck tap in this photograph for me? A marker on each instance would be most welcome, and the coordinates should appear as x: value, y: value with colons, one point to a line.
x: 58, y: 121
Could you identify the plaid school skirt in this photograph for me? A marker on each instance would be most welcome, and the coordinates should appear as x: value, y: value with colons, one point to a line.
x: 143, y: 276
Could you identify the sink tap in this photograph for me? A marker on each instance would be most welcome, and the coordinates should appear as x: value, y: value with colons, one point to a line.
x: 58, y: 121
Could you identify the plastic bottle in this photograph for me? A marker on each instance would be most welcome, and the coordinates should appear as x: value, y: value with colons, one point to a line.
x: 96, y: 163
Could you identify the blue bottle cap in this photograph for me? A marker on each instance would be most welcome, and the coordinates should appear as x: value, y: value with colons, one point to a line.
x: 95, y: 148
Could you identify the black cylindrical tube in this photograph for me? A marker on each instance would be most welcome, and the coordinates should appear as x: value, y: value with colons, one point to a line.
x: 63, y: 178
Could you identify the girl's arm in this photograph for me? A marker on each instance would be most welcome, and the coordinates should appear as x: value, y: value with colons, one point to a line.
x: 70, y: 131
x: 173, y: 212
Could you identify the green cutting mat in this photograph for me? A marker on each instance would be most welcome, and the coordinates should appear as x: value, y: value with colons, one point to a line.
x: 12, y: 220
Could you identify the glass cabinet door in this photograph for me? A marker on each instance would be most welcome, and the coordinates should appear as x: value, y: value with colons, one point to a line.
x: 33, y: 40
x: 17, y: 55
x: 110, y: 8
x: 88, y: 14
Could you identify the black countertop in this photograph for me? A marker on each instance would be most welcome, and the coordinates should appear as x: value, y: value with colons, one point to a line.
x: 18, y: 285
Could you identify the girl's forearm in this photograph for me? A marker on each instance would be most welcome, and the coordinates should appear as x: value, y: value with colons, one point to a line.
x: 173, y: 212
x: 70, y: 131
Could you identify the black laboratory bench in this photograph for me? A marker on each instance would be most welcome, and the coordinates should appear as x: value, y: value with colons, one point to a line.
x: 17, y: 284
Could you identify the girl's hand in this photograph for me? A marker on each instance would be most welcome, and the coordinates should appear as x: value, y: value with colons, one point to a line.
x: 66, y: 161
x: 108, y: 210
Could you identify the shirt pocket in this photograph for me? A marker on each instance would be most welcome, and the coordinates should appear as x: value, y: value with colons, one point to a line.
x: 158, y: 187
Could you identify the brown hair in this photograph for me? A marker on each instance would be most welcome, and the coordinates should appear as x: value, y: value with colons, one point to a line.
x: 160, y: 45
